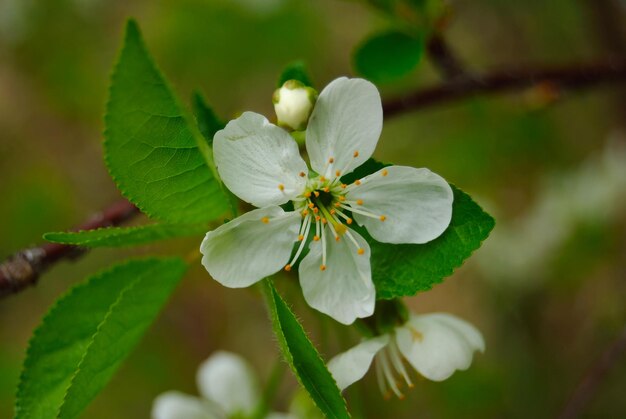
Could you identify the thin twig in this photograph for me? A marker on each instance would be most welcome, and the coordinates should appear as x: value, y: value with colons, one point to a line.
x: 23, y: 269
x: 567, y: 77
x: 446, y: 61
x: 591, y: 382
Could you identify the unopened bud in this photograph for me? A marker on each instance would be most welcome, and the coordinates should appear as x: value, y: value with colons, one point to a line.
x: 293, y: 103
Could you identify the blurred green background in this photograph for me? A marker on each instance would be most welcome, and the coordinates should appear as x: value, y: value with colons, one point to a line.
x: 547, y: 289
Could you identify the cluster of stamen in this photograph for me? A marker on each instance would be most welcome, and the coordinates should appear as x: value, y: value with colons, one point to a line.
x: 389, y: 366
x: 324, y: 203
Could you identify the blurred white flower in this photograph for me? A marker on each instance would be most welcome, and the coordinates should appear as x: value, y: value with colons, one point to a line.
x: 435, y: 345
x: 260, y: 163
x: 593, y: 193
x: 228, y: 387
x: 293, y: 104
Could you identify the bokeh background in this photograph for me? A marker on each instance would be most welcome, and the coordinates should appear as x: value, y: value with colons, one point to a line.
x: 547, y: 289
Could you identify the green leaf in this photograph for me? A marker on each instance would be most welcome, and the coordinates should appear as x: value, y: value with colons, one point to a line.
x: 405, y: 269
x: 157, y: 158
x: 303, y: 358
x: 87, y: 334
x: 208, y: 121
x: 295, y: 71
x: 388, y: 56
x: 125, y: 236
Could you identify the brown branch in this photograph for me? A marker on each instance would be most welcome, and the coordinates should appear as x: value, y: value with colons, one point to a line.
x: 570, y: 77
x: 446, y: 61
x: 592, y: 381
x: 23, y: 269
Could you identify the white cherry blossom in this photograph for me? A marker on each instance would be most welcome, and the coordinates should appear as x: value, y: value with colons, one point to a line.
x: 228, y: 387
x: 260, y: 163
x: 435, y: 345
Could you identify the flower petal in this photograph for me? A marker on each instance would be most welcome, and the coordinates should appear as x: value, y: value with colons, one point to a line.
x: 345, y: 124
x: 344, y: 290
x: 350, y: 366
x: 176, y: 405
x: 438, y: 344
x: 250, y: 247
x: 416, y: 204
x: 258, y: 161
x: 227, y: 380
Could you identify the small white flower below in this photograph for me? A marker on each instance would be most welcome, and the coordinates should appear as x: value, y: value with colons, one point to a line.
x: 228, y: 387
x: 435, y: 345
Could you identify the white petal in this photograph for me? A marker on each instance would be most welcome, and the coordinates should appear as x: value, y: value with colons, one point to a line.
x: 436, y: 345
x: 347, y: 118
x: 344, y: 290
x: 175, y: 405
x: 227, y: 380
x: 250, y: 247
x: 258, y: 161
x: 416, y: 204
x: 350, y: 366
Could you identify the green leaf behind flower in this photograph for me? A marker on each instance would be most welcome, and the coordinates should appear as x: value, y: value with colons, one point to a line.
x: 295, y: 71
x: 406, y: 269
x: 208, y: 121
x: 125, y: 236
x: 303, y: 358
x: 87, y: 334
x: 388, y: 56
x: 157, y: 158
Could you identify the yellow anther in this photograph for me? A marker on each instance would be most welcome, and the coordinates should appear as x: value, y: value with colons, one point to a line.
x: 305, y: 213
x: 316, y: 238
x: 337, y: 238
x: 317, y: 194
x: 342, y: 198
x: 337, y: 204
x: 317, y: 218
x: 265, y: 220
x: 331, y: 160
x: 356, y: 154
x: 316, y: 210
x: 322, y: 267
x: 281, y: 186
x: 384, y: 172
x: 322, y: 179
x: 417, y: 336
x: 360, y: 251
x: 326, y: 189
x: 337, y: 173
x: 332, y: 211
x: 349, y: 221
x: 359, y: 202
x: 344, y: 186
x: 383, y: 218
x: 307, y: 194
x: 300, y: 237
x: 287, y: 267
x: 302, y: 174
x: 357, y: 182
x: 324, y: 221
x: 311, y: 205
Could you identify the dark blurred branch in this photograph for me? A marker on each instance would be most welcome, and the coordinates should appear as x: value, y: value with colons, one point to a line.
x: 592, y: 381
x: 23, y: 269
x: 570, y: 77
x: 446, y: 61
